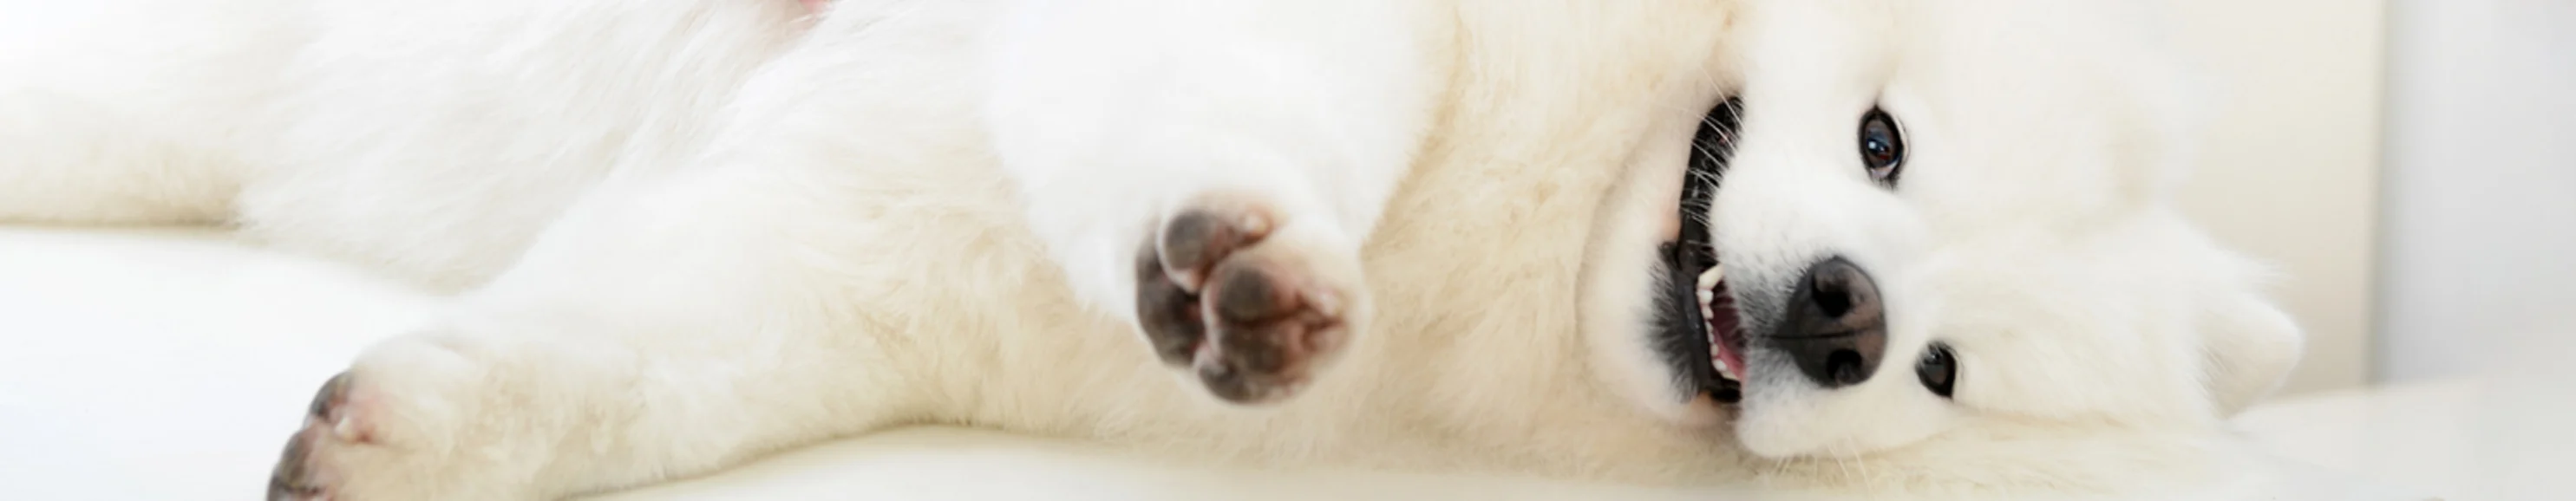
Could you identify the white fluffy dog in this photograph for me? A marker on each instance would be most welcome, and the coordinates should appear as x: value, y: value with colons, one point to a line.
x: 1429, y: 235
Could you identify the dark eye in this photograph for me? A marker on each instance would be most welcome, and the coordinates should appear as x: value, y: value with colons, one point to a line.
x: 1938, y: 369
x: 1882, y: 147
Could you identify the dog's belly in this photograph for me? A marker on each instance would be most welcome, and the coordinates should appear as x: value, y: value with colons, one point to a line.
x: 1477, y: 357
x: 1477, y: 360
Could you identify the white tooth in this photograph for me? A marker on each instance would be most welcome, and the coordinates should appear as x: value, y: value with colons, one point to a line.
x: 1708, y: 281
x: 1709, y: 278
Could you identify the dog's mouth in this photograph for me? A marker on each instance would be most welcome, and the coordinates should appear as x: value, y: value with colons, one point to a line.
x: 1699, y: 323
x: 1725, y: 340
x: 1700, y: 329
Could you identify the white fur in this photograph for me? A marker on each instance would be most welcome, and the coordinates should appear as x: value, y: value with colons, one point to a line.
x: 1110, y: 115
x: 691, y: 232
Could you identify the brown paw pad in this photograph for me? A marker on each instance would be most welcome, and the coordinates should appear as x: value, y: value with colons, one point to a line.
x: 328, y: 421
x: 1246, y: 317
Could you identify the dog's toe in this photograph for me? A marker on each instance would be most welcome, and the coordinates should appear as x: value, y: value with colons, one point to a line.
x: 1170, y: 315
x: 1272, y: 325
x: 1196, y: 240
x: 1171, y: 271
x: 327, y: 420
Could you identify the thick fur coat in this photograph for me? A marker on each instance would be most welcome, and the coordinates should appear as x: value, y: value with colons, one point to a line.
x: 687, y: 233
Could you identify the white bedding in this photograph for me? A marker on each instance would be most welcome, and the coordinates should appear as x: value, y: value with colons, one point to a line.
x: 172, y: 364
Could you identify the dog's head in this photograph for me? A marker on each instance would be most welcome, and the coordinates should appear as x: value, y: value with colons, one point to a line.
x: 1948, y: 221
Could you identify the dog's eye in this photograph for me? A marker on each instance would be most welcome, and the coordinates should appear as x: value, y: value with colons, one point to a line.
x: 1882, y: 147
x: 1938, y: 369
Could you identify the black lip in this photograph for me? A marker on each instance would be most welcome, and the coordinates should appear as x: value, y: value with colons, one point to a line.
x: 1681, y: 331
x: 1682, y: 334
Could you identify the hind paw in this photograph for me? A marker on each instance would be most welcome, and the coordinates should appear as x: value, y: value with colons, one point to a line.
x: 396, y: 426
x: 330, y: 422
x: 343, y: 449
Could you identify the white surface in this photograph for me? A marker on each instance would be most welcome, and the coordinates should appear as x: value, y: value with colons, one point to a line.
x: 2409, y: 436
x: 171, y: 366
x: 2480, y: 207
x: 2503, y: 435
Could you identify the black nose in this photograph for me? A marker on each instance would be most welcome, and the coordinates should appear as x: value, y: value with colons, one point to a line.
x: 1835, y: 328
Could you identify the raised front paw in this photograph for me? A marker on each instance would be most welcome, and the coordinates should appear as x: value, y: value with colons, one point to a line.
x: 1226, y: 288
x: 400, y: 425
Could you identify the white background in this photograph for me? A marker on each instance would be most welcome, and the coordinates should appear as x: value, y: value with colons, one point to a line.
x: 2409, y: 167
x: 2479, y: 209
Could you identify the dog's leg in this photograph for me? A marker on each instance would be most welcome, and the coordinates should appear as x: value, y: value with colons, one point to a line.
x: 75, y: 162
x: 663, y: 330
x: 843, y: 243
x: 125, y: 112
x: 1208, y: 175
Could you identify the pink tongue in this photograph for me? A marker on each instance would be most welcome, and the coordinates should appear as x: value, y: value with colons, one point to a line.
x: 813, y: 6
x: 1721, y: 329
